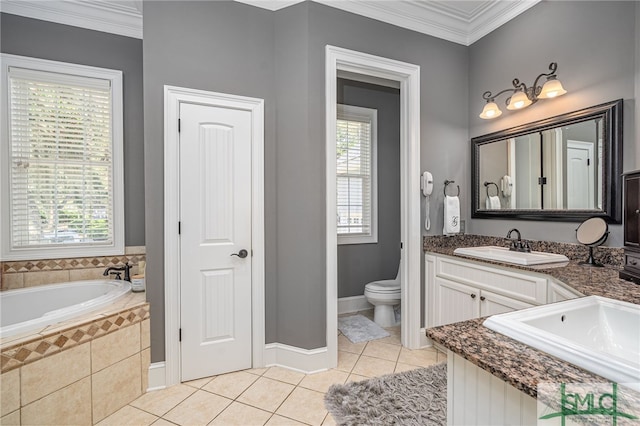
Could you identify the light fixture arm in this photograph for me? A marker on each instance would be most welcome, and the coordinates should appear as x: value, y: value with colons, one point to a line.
x: 489, y: 97
x: 553, y: 67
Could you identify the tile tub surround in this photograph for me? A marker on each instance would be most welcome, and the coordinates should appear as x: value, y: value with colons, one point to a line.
x: 77, y: 372
x: 613, y: 256
x: 29, y: 273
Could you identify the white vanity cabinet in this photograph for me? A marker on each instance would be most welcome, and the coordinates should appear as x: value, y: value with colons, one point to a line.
x: 458, y: 290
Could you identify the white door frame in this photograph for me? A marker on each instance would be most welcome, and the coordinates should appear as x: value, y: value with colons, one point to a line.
x: 408, y: 75
x: 173, y: 97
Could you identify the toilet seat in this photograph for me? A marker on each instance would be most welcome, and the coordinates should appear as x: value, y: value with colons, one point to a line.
x: 383, y: 287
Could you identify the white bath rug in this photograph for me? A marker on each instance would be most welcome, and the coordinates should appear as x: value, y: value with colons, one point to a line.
x: 360, y: 329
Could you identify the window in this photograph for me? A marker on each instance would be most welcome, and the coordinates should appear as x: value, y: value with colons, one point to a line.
x: 356, y: 175
x: 61, y: 162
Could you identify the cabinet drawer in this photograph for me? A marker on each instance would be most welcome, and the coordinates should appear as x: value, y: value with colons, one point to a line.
x: 632, y: 261
x: 530, y: 289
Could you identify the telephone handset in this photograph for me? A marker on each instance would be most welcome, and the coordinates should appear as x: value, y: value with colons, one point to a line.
x: 426, y: 183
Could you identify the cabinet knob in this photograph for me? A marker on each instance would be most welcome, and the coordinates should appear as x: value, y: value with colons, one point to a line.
x: 483, y: 298
x: 473, y: 296
x: 637, y: 211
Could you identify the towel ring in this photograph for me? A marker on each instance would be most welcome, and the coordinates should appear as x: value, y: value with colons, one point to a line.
x: 446, y: 183
x: 487, y: 184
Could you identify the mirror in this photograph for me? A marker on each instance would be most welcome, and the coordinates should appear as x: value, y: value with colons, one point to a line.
x: 561, y: 168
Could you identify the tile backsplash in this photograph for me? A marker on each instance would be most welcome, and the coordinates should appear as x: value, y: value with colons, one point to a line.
x: 29, y: 273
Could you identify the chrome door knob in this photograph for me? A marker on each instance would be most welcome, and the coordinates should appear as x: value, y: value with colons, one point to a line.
x: 241, y: 254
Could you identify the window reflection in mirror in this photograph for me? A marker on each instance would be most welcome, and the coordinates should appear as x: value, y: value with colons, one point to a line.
x: 555, y: 169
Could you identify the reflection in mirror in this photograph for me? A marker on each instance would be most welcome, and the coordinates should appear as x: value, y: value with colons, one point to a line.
x: 556, y: 169
x: 559, y: 165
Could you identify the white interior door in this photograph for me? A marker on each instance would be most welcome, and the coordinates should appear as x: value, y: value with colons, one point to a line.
x: 580, y: 175
x: 215, y: 218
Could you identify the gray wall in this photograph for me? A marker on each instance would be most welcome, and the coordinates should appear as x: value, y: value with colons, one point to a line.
x: 217, y: 46
x: 359, y: 264
x: 594, y: 44
x: 47, y: 40
x: 279, y: 56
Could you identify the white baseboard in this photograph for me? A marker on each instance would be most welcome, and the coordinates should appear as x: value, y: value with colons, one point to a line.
x: 157, y: 378
x: 425, y: 342
x: 353, y: 304
x: 303, y: 360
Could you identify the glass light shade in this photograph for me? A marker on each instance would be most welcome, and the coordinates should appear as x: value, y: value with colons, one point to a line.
x: 519, y: 100
x: 551, y: 89
x: 490, y: 110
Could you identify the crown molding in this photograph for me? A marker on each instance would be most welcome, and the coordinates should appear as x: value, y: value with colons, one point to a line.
x: 498, y: 14
x: 123, y: 18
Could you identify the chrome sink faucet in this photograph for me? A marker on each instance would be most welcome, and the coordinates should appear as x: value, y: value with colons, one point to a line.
x: 518, y: 245
x: 117, y: 272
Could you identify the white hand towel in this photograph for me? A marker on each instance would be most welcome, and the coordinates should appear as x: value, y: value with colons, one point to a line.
x: 451, y: 215
x: 493, y: 202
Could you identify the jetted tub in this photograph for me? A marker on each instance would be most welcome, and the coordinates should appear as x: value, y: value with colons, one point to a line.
x: 598, y: 334
x: 32, y: 309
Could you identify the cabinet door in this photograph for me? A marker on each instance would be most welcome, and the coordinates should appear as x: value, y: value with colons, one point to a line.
x: 632, y: 211
x: 455, y: 302
x: 493, y: 304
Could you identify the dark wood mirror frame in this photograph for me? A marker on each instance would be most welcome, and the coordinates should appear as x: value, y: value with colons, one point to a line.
x: 611, y: 115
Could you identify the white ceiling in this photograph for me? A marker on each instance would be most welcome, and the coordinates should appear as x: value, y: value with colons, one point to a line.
x: 462, y: 22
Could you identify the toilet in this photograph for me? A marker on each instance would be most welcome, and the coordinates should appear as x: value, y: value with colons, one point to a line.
x: 384, y: 295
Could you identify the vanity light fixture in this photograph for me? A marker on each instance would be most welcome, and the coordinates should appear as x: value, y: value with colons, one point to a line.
x: 523, y: 96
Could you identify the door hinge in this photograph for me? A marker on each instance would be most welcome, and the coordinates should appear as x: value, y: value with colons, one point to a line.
x: 180, y: 335
x: 588, y: 161
x: 542, y: 180
x: 401, y: 245
x: 179, y: 228
x: 178, y: 125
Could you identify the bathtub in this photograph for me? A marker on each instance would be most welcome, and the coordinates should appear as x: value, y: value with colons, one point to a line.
x: 598, y: 334
x: 32, y: 309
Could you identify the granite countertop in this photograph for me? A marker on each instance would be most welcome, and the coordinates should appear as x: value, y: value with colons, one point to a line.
x: 516, y: 363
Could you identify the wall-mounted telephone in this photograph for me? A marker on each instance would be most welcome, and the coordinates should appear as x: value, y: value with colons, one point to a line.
x: 426, y: 183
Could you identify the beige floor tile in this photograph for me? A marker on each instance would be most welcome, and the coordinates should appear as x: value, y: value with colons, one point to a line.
x: 419, y: 357
x: 199, y: 383
x: 322, y: 381
x: 304, y: 405
x: 372, y: 367
x: 241, y: 415
x: 129, y: 415
x: 382, y: 350
x: 257, y: 371
x: 277, y: 420
x: 442, y: 356
x: 231, y: 385
x: 163, y: 422
x: 393, y: 339
x: 266, y: 394
x: 329, y: 421
x: 345, y: 345
x: 161, y: 401
x: 346, y: 361
x: 356, y: 378
x: 395, y: 330
x: 284, y: 375
x: 400, y: 367
x: 199, y: 409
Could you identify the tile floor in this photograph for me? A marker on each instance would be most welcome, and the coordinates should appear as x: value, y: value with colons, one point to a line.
x: 271, y: 396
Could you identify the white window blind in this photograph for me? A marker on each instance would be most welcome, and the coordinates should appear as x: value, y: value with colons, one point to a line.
x: 355, y: 151
x: 61, y: 159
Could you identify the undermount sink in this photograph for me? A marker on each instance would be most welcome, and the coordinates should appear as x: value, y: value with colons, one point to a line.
x: 598, y: 334
x: 503, y: 254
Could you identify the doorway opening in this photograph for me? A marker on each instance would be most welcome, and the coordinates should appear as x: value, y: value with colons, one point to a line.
x: 407, y: 76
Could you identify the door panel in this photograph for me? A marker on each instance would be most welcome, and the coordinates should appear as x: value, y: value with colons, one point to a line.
x: 215, y: 215
x: 455, y: 302
x: 493, y: 304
